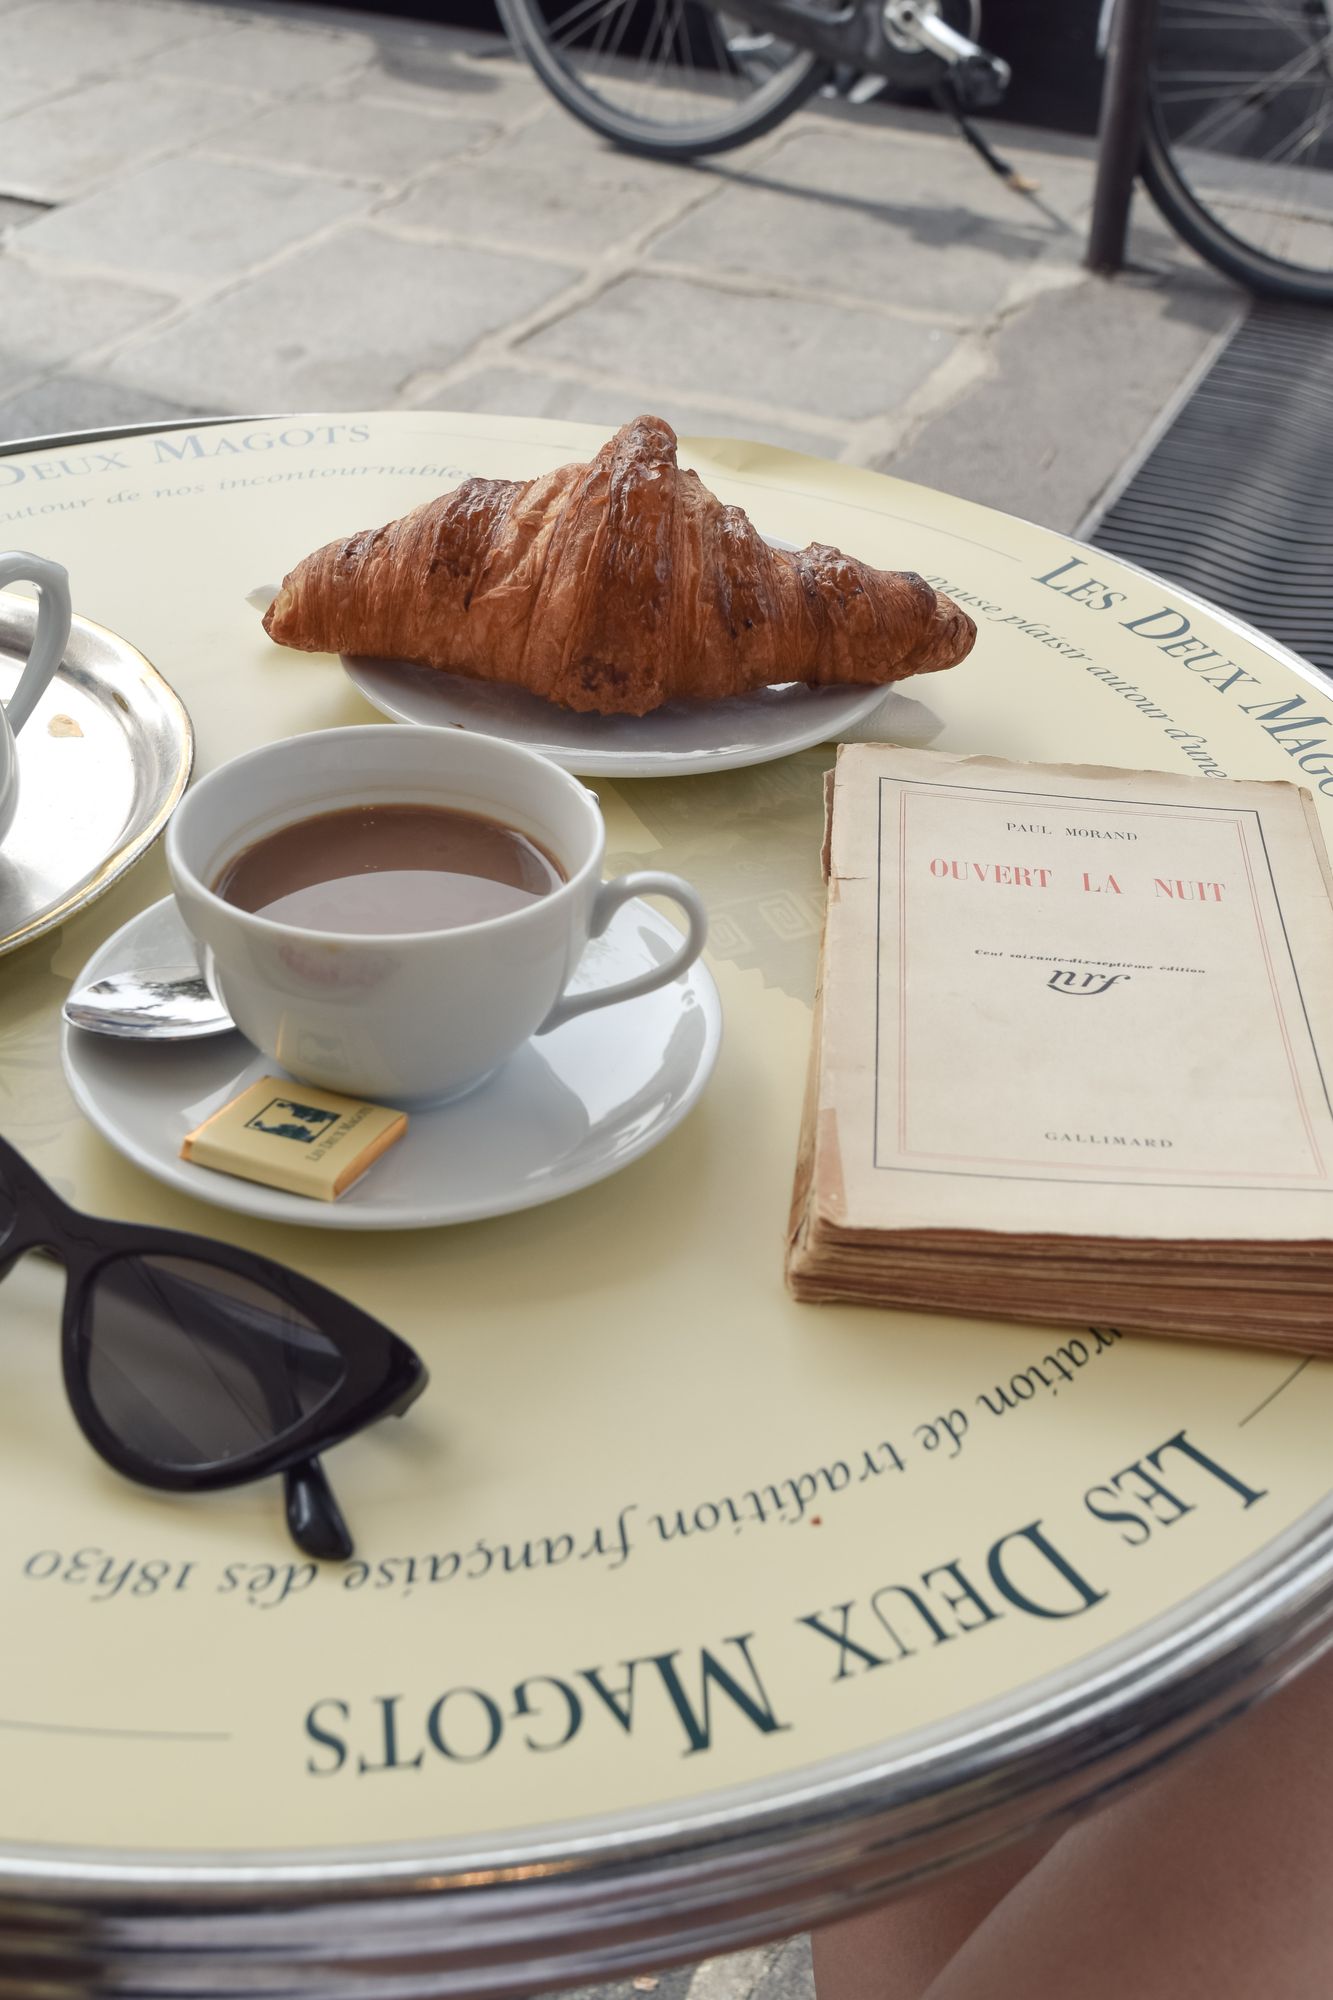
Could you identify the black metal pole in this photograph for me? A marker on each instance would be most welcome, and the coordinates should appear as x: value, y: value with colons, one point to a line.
x: 1120, y: 134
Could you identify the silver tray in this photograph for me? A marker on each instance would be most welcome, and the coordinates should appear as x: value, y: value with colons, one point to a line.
x: 103, y: 761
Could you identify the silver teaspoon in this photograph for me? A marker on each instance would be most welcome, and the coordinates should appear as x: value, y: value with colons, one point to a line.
x: 161, y: 1004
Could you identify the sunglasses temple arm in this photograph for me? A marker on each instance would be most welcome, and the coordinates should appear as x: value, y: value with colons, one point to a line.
x: 313, y: 1515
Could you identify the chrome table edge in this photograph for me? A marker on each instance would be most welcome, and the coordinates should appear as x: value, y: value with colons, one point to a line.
x: 600, y: 1897
x: 11, y: 447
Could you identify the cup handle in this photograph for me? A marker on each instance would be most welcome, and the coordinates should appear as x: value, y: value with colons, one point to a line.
x: 646, y: 882
x: 52, y: 634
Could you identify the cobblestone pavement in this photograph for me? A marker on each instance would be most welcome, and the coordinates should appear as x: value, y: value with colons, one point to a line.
x: 773, y: 1972
x: 211, y: 208
x: 208, y: 207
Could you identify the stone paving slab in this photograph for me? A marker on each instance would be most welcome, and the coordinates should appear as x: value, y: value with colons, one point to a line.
x: 380, y: 144
x: 191, y: 218
x: 529, y: 210
x: 453, y: 85
x: 556, y: 145
x: 99, y: 130
x: 345, y: 324
x: 919, y: 224
x: 18, y: 92
x: 1031, y: 425
x: 259, y: 55
x: 13, y: 214
x: 748, y: 347
x: 670, y: 1985
x: 50, y: 317
x: 86, y: 403
x: 480, y: 82
x: 71, y: 40
x: 770, y: 1972
x: 519, y: 392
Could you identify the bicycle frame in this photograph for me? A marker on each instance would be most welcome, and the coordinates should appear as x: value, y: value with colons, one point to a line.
x: 855, y: 38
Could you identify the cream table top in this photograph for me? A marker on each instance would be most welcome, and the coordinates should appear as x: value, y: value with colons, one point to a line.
x: 671, y: 1596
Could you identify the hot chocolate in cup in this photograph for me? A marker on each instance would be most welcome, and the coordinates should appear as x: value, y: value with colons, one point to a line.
x: 413, y: 1015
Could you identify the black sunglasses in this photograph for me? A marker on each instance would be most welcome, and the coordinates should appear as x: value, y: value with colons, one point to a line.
x: 190, y: 1365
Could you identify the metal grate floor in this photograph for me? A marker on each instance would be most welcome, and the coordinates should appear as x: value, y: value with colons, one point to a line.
x: 1235, y: 500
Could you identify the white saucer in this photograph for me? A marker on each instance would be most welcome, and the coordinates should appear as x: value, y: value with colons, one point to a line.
x: 673, y: 741
x: 568, y: 1109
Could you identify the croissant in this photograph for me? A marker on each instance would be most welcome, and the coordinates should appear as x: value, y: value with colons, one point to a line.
x: 613, y: 587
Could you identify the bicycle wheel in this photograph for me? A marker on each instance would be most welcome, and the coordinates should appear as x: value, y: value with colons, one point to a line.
x: 671, y: 79
x: 1238, y: 140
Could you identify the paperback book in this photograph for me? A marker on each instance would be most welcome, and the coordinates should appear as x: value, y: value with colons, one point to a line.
x: 1072, y: 1051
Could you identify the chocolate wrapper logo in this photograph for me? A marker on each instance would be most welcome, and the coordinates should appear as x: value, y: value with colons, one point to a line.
x: 283, y: 1118
x: 1084, y: 985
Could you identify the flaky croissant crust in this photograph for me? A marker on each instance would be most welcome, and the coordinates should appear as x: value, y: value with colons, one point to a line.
x: 613, y: 586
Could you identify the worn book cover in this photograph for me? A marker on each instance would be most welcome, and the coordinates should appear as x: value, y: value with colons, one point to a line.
x: 1072, y: 1049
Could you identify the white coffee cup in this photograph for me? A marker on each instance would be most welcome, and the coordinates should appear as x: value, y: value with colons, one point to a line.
x: 415, y: 1016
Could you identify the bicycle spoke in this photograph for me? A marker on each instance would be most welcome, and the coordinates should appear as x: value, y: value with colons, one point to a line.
x: 664, y: 62
x: 1287, y: 237
x: 720, y: 46
x: 1242, y: 16
x: 626, y: 13
x: 1194, y: 93
x: 654, y: 27
x: 1243, y: 23
x: 1275, y: 157
x: 666, y: 46
x: 604, y: 28
x: 680, y: 38
x: 577, y: 19
x: 1210, y: 128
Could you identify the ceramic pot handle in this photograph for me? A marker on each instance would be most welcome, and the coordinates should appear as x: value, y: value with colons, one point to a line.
x: 645, y: 882
x: 52, y: 634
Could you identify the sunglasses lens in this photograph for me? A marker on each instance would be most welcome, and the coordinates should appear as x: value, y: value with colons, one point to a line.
x: 191, y: 1365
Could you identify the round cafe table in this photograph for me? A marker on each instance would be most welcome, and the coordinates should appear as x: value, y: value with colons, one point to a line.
x: 675, y: 1620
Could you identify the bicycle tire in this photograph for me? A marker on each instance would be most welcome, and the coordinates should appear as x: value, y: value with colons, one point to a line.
x: 767, y: 106
x: 1188, y: 213
x: 1196, y: 225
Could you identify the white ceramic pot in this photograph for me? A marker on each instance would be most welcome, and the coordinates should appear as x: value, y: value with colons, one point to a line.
x: 422, y: 1015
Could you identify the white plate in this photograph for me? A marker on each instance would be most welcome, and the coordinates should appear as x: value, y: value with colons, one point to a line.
x: 671, y: 742
x: 677, y: 739
x: 567, y: 1110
